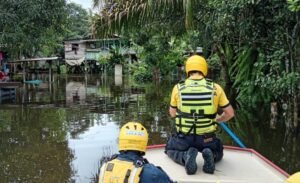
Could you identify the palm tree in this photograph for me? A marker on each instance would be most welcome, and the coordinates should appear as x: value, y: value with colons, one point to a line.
x: 118, y: 15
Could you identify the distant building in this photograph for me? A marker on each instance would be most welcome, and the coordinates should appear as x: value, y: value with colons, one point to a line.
x: 91, y: 50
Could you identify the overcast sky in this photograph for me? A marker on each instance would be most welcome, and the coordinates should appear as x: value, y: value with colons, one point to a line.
x: 87, y: 4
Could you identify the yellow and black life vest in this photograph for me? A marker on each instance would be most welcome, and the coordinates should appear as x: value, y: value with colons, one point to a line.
x: 119, y: 171
x: 196, y: 111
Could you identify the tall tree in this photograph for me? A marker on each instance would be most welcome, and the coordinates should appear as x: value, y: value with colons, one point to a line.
x: 78, y: 23
x: 25, y: 25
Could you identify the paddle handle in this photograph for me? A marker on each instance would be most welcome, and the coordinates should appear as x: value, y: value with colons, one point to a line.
x: 235, y: 138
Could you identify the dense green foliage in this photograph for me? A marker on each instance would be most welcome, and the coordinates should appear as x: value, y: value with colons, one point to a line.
x: 78, y: 24
x: 37, y: 27
x: 243, y: 34
x: 26, y: 26
x: 256, y: 42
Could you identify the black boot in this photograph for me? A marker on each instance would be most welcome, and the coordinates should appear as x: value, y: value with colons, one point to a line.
x: 209, y: 164
x: 190, y: 160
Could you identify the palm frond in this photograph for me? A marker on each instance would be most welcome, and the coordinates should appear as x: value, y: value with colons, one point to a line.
x: 138, y: 13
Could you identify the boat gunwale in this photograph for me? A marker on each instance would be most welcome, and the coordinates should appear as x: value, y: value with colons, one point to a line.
x: 264, y: 159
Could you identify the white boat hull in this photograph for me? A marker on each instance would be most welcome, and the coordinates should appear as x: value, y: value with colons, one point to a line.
x: 237, y: 166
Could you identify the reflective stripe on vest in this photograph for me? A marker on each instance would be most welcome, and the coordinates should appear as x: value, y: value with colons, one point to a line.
x: 101, y: 175
x: 196, y: 107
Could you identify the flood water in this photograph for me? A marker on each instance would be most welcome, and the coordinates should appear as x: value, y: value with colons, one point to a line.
x: 57, y: 133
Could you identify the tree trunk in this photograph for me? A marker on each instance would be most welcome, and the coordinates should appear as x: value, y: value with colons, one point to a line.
x: 156, y: 74
x: 225, y: 68
x: 295, y: 114
x: 290, y: 68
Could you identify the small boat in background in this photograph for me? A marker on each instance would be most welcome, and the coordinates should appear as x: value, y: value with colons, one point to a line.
x: 239, y: 165
x: 36, y: 81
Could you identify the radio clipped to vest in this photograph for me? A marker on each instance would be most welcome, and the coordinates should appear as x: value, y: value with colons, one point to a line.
x: 119, y: 171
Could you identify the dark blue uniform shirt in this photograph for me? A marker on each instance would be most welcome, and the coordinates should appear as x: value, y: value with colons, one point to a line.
x: 150, y: 172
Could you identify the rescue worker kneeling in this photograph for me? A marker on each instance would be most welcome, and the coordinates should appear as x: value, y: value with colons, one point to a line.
x: 129, y: 166
x: 194, y: 105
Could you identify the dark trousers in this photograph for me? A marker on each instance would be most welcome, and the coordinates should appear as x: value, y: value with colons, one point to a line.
x: 178, y: 144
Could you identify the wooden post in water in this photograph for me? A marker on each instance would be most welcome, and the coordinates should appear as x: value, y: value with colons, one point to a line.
x: 50, y: 71
x: 273, y: 115
x: 50, y: 76
x: 118, y: 74
x: 24, y: 71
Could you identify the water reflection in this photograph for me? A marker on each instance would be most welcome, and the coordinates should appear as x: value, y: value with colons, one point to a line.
x: 273, y: 141
x: 33, y: 146
x: 75, y: 92
x: 58, y: 132
x: 98, y: 141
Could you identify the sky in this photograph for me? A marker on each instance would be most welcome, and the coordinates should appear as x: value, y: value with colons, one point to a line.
x: 87, y: 4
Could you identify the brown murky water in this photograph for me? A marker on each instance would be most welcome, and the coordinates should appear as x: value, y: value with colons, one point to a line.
x: 57, y: 133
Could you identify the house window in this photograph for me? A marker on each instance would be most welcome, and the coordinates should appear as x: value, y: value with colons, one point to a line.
x: 75, y: 48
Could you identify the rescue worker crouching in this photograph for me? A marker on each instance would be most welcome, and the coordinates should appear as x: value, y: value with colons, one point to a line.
x: 194, y: 103
x: 129, y: 166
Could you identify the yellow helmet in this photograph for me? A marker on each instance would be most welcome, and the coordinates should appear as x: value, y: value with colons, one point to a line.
x: 133, y: 136
x: 196, y: 63
x: 295, y: 178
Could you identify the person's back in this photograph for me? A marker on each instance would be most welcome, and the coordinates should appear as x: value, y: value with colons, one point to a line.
x: 194, y: 105
x: 129, y: 165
